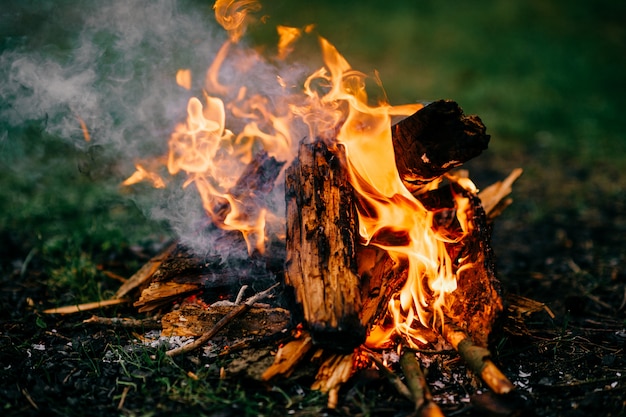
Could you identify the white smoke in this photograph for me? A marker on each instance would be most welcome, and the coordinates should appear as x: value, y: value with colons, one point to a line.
x: 112, y: 65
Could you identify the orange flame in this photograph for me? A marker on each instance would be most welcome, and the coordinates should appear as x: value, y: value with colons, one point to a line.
x: 233, y: 16
x: 183, y: 78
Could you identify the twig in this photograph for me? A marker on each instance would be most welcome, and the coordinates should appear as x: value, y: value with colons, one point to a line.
x: 120, y: 405
x: 477, y: 358
x: 149, y: 323
x: 85, y: 307
x: 416, y: 381
x: 32, y: 402
x: 392, y: 378
x: 239, y: 309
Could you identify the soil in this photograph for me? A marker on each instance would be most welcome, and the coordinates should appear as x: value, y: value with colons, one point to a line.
x: 573, y: 364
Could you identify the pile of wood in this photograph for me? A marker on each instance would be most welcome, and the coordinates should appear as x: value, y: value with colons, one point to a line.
x: 339, y: 288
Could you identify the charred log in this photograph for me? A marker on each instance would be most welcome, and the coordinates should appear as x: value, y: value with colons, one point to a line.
x: 436, y: 139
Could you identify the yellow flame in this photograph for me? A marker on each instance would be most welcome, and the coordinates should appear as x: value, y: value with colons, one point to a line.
x: 287, y: 36
x: 234, y: 16
x: 183, y: 78
x: 83, y: 127
x: 143, y: 174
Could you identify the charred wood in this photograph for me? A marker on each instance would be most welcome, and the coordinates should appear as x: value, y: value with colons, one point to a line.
x: 436, y: 139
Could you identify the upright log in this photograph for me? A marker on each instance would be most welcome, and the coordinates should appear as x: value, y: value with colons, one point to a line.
x: 321, y: 239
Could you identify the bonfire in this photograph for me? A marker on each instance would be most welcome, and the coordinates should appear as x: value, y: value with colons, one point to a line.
x: 380, y: 248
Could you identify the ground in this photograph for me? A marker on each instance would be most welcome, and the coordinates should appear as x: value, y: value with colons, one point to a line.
x: 569, y: 365
x: 547, y: 80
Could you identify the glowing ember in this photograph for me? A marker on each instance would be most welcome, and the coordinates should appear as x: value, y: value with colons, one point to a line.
x: 334, y: 105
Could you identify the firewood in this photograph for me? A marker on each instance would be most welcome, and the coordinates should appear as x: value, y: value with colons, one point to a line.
x: 427, y: 145
x: 434, y: 140
x: 321, y: 246
x: 416, y: 380
x: 477, y: 358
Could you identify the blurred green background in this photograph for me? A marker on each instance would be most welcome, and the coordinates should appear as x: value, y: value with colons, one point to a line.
x: 546, y: 77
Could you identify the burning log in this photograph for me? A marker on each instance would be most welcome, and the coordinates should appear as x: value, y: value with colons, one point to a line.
x: 321, y: 246
x: 427, y: 145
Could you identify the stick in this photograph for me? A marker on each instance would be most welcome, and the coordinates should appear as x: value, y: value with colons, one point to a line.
x: 393, y: 378
x: 85, y: 307
x: 477, y: 358
x: 150, y: 323
x: 239, y: 309
x: 416, y: 380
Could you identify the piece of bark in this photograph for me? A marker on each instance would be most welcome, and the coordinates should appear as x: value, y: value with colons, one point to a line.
x: 332, y: 374
x: 237, y: 310
x: 193, y: 320
x: 321, y: 238
x: 434, y: 140
x: 145, y: 273
x: 494, y: 198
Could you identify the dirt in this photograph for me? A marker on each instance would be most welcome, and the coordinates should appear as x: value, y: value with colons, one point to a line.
x: 572, y: 364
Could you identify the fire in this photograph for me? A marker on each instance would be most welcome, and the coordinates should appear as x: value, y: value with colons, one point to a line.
x: 386, y: 208
x: 335, y: 107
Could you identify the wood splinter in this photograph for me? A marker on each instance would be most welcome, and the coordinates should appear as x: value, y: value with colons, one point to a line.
x: 477, y: 358
x: 333, y: 373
